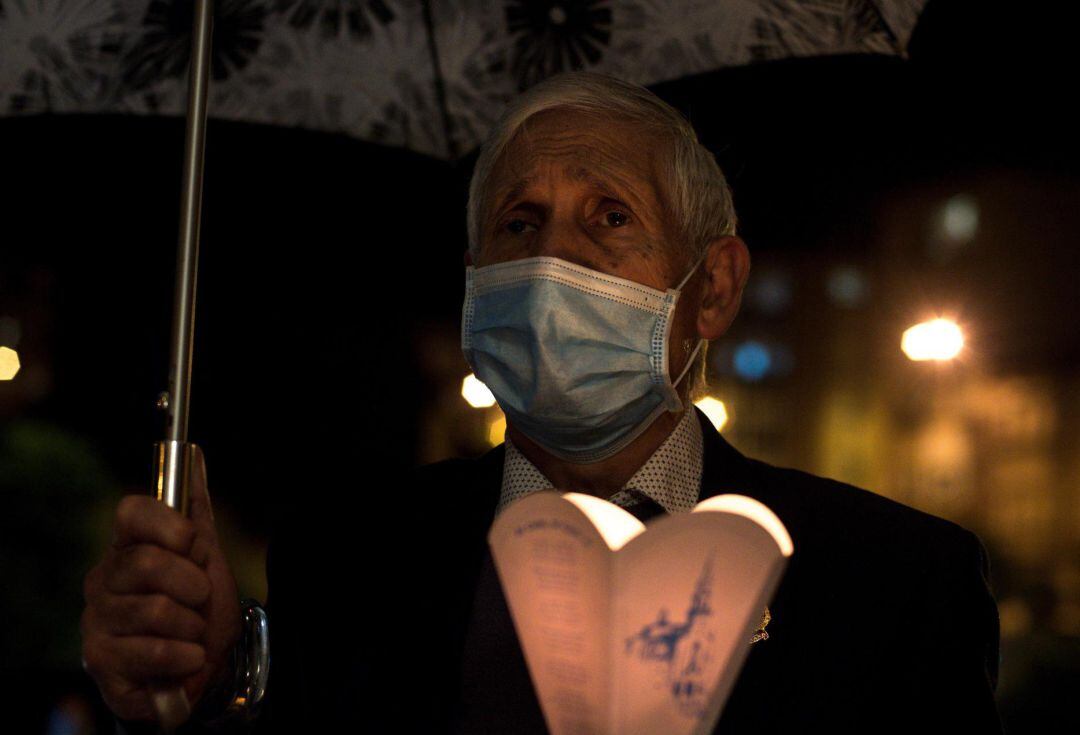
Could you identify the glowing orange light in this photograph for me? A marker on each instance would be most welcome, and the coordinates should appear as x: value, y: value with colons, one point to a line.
x: 937, y: 339
x: 476, y: 393
x: 496, y: 429
x: 715, y: 410
x: 9, y: 363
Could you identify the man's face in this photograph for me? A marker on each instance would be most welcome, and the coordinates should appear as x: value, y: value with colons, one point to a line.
x: 582, y: 189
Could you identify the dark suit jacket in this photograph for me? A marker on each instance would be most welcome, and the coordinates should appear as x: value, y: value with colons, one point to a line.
x: 387, y: 616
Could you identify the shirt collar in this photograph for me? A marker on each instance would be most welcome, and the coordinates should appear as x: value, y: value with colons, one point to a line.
x: 671, y: 477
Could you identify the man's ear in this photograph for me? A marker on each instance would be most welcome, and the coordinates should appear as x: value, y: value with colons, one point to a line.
x: 727, y: 266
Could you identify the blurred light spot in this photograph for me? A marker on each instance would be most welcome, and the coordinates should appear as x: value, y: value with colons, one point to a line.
x: 9, y: 363
x: 960, y: 218
x: 62, y: 723
x: 770, y: 293
x: 10, y: 331
x: 847, y: 286
x: 1015, y: 617
x: 942, y: 466
x: 557, y: 15
x: 715, y: 410
x: 496, y: 429
x: 70, y: 716
x: 955, y: 227
x: 476, y: 393
x: 1066, y: 619
x: 752, y: 361
x: 938, y: 339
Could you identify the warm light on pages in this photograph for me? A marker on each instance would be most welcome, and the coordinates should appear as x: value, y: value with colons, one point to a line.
x: 618, y: 527
x: 756, y: 511
x: 614, y: 524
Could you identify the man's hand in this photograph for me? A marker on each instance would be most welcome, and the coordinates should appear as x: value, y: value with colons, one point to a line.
x: 161, y: 607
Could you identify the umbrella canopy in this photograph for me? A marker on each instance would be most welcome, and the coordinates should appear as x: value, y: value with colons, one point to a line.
x: 429, y: 76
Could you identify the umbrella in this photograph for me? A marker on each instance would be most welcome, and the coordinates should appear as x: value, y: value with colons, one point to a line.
x: 429, y: 76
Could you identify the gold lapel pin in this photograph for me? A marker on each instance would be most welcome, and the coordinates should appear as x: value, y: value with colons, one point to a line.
x: 761, y: 634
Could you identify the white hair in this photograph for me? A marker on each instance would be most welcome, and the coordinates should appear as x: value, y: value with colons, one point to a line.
x: 693, y: 187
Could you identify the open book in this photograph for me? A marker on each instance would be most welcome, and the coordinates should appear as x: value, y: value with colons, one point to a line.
x: 628, y: 629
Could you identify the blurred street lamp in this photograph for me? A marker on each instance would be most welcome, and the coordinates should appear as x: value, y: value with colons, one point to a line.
x: 715, y: 410
x: 9, y: 363
x: 937, y: 339
x: 476, y: 393
x: 496, y: 429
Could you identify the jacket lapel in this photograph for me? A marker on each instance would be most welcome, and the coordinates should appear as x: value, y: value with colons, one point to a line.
x: 724, y: 469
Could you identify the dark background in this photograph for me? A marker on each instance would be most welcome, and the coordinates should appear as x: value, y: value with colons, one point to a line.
x: 331, y: 283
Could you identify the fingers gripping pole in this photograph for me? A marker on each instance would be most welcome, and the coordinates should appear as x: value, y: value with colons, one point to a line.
x: 174, y: 457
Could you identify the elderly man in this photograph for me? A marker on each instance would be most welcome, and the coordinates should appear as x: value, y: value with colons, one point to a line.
x: 602, y: 256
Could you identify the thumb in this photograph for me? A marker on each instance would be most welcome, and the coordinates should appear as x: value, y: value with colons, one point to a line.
x: 201, y: 512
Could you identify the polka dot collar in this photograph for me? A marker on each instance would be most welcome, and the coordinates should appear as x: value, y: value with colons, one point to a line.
x: 671, y: 476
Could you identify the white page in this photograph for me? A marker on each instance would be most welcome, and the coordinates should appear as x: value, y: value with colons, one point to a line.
x: 554, y: 569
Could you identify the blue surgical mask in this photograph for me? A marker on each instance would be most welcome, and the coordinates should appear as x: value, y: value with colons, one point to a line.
x: 577, y: 359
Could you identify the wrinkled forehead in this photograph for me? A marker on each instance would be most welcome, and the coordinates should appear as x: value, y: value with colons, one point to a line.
x: 619, y: 157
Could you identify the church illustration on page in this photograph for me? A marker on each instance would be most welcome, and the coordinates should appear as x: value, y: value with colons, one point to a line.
x: 680, y: 651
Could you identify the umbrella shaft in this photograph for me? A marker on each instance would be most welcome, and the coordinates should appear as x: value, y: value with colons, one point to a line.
x: 187, y: 252
x: 174, y: 463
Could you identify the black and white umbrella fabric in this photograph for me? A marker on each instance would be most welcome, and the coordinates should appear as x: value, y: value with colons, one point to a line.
x: 423, y: 74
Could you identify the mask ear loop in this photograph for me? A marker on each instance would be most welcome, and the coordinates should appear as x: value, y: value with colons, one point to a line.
x: 693, y: 355
x: 689, y: 363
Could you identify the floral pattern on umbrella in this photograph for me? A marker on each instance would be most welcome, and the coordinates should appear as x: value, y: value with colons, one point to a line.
x: 163, y: 49
x: 550, y: 36
x: 789, y: 29
x: 334, y: 18
x: 426, y: 75
x: 59, y: 55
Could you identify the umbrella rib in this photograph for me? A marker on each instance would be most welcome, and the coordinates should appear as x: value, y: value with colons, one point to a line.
x: 440, y: 85
x: 889, y: 30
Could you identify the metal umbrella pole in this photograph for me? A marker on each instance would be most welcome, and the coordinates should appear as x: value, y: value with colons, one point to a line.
x: 174, y: 457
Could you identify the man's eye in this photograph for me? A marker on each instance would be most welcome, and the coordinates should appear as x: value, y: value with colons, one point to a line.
x: 615, y: 218
x: 518, y: 226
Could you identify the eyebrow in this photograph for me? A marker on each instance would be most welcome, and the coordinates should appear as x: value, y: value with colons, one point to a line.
x: 578, y: 173
x: 515, y: 191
